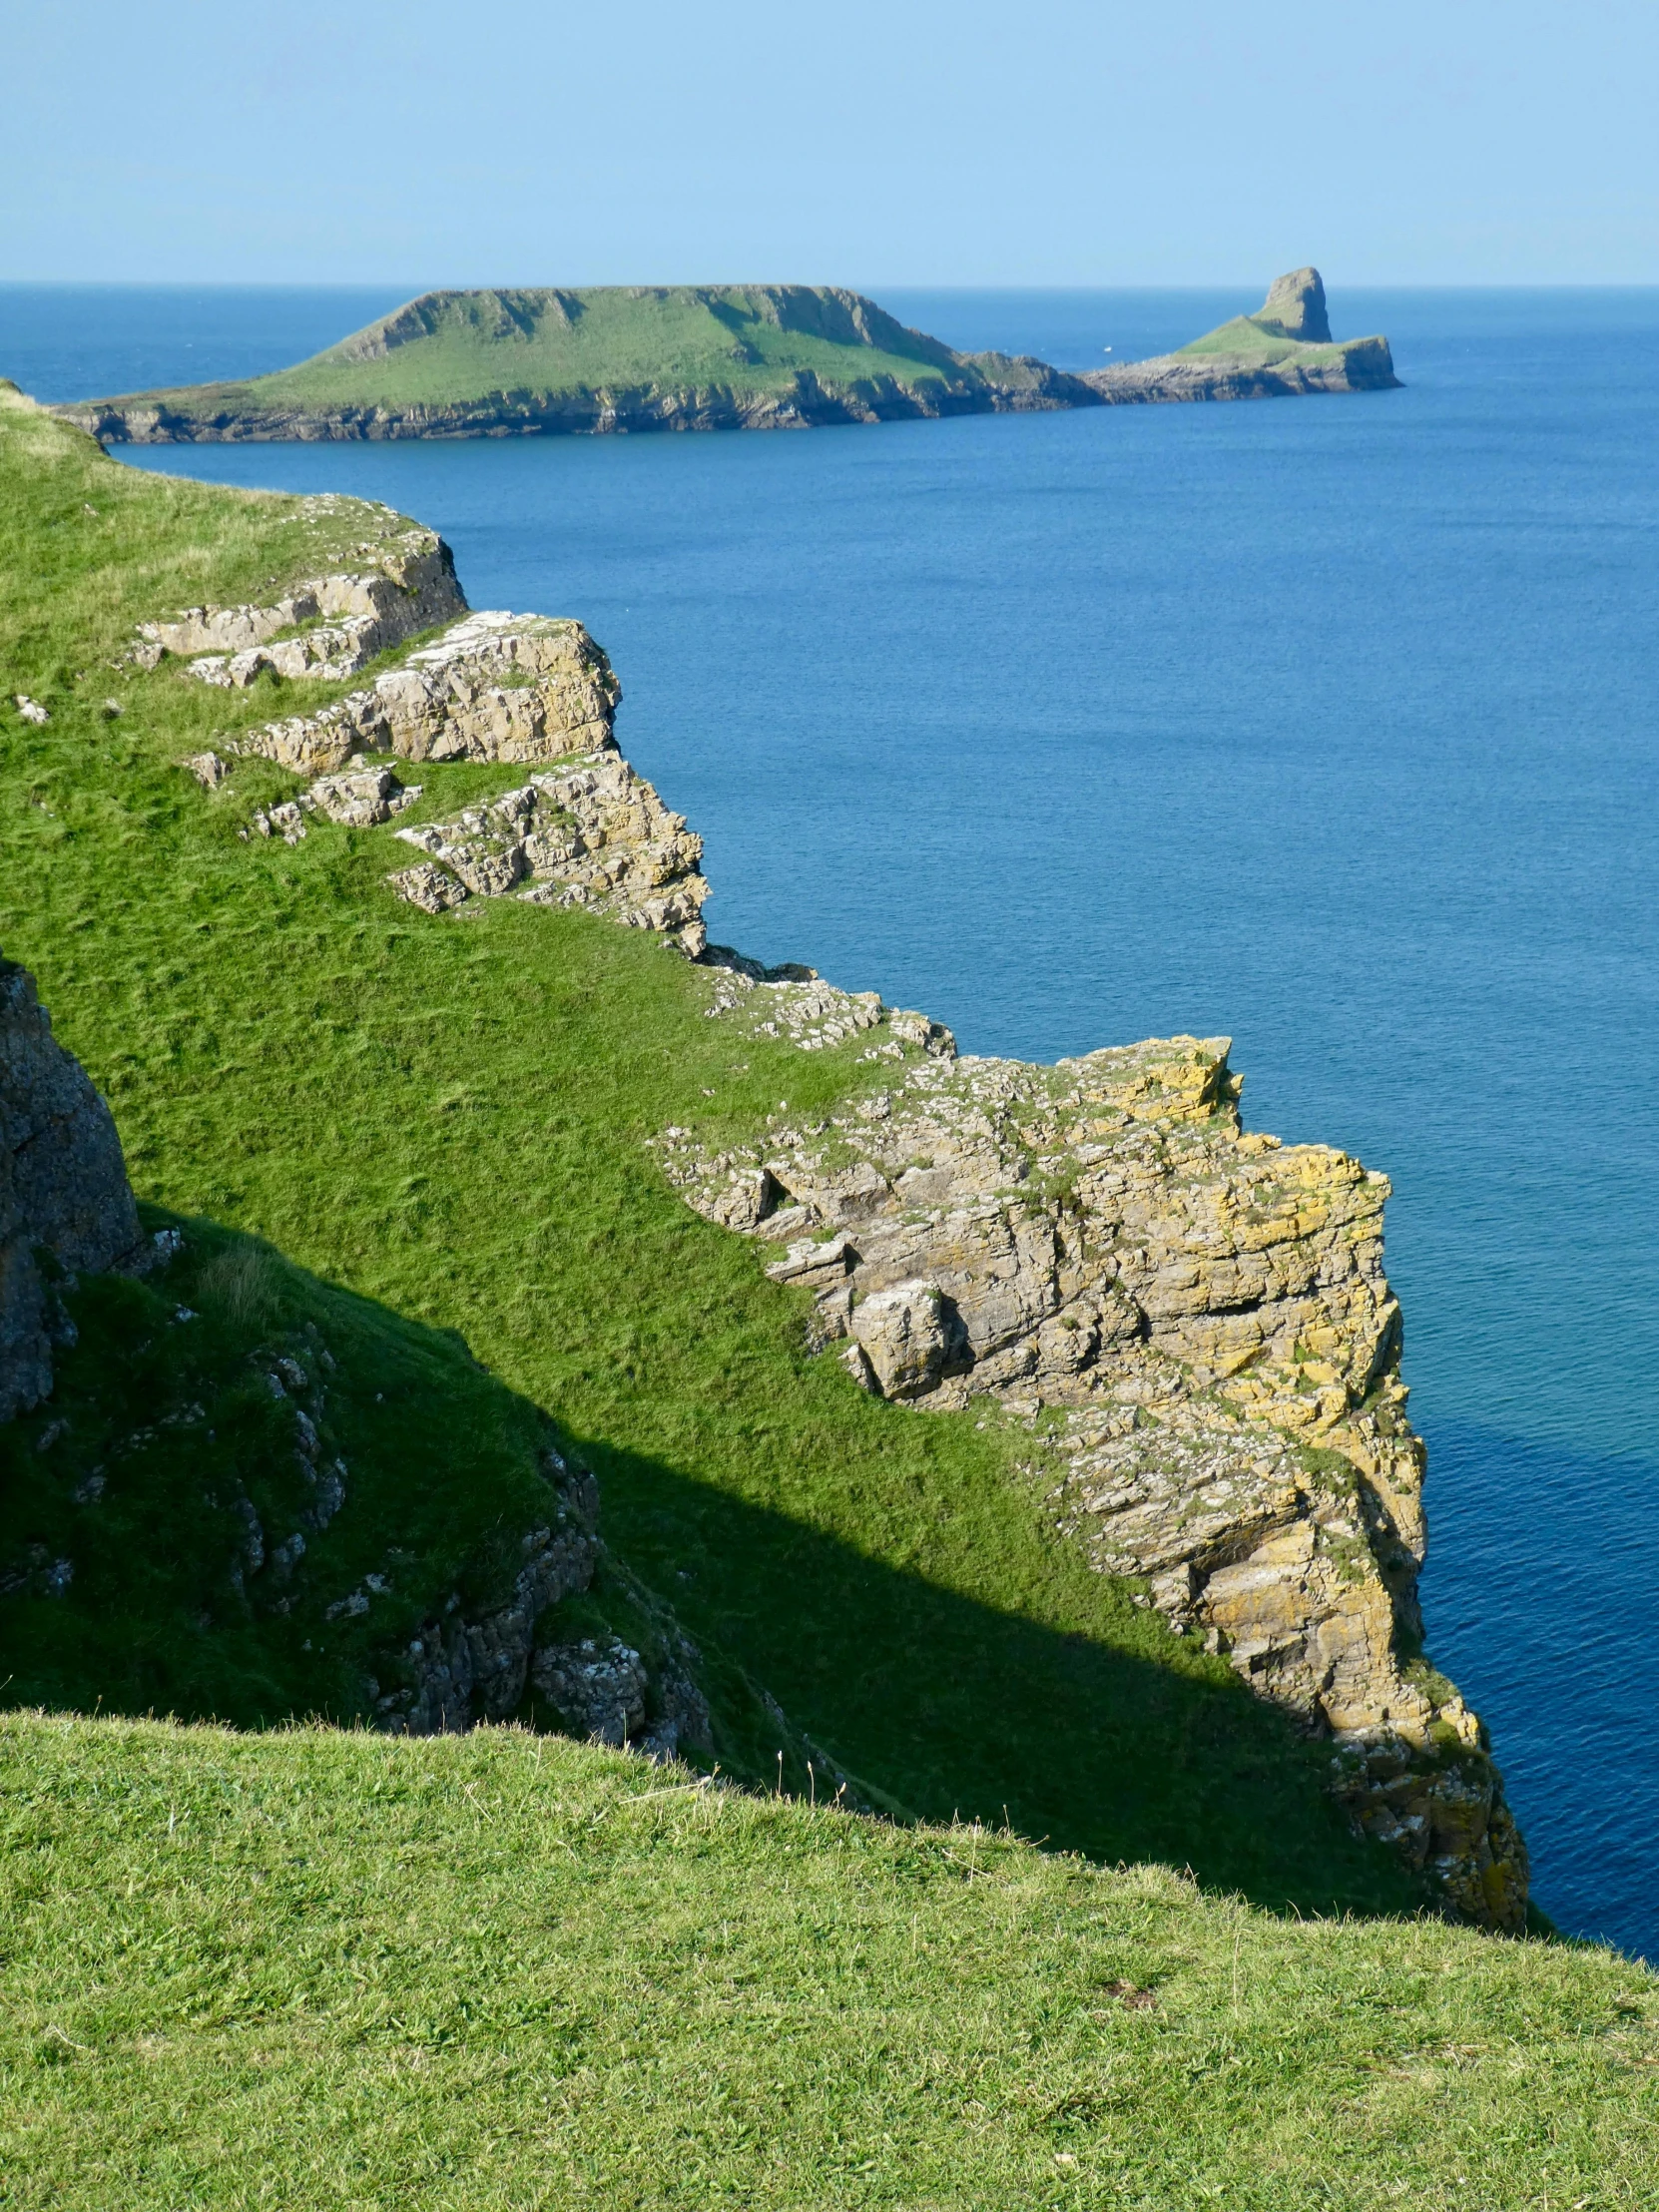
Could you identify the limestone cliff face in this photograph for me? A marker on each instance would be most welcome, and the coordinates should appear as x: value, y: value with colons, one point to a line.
x: 495, y: 686
x: 1192, y: 1325
x: 65, y: 1203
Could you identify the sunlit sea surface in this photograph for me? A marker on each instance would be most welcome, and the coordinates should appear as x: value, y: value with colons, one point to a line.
x: 1330, y: 724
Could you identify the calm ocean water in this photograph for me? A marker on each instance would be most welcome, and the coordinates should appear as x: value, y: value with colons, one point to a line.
x: 1328, y: 726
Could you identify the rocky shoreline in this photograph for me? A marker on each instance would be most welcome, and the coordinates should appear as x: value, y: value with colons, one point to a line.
x: 810, y: 404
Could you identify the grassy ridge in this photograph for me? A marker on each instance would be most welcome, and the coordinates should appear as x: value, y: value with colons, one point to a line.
x: 320, y: 1970
x: 1244, y: 339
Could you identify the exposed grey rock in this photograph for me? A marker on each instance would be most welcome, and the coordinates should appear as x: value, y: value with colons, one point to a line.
x: 30, y: 709
x: 362, y: 799
x: 497, y: 687
x: 433, y: 890
x: 208, y: 768
x: 911, y: 1337
x: 797, y: 1003
x: 589, y: 834
x: 407, y: 585
x: 1295, y: 306
x: 598, y: 1687
x: 328, y: 1494
x: 476, y: 1669
x: 284, y: 820
x: 63, y: 1188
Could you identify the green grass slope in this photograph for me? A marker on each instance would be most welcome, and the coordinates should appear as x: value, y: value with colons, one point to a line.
x: 450, y: 1118
x: 320, y: 1968
x: 605, y: 357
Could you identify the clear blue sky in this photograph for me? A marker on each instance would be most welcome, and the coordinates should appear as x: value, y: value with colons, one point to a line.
x: 913, y: 142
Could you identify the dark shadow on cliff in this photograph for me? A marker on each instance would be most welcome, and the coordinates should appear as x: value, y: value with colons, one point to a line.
x: 955, y: 1708
x: 246, y: 1488
x: 147, y: 1505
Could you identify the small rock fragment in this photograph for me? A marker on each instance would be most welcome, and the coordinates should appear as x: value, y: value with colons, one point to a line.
x: 433, y: 890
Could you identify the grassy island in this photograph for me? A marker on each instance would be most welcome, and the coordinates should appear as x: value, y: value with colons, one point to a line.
x: 706, y: 357
x: 609, y: 357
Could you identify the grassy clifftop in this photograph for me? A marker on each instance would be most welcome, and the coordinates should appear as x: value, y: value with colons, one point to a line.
x: 605, y: 357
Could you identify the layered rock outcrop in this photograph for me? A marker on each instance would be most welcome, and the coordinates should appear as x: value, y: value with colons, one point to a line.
x: 338, y: 623
x: 66, y: 1207
x: 1192, y: 1326
x: 590, y: 834
x: 496, y: 687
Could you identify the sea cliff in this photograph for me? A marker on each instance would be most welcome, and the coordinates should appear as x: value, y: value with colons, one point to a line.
x: 1187, y: 1322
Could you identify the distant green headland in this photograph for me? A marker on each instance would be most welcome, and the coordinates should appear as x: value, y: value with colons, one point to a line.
x: 613, y: 357
x: 1284, y: 349
x: 706, y: 357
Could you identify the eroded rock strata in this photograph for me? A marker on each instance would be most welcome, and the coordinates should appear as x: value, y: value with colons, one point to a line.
x: 517, y: 689
x: 495, y: 686
x: 327, y: 627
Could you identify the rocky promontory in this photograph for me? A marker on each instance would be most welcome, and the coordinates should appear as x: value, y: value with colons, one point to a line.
x: 65, y: 1203
x: 1185, y: 1325
x: 1284, y: 349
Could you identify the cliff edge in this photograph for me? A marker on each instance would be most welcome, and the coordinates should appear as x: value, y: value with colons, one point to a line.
x: 1186, y: 1324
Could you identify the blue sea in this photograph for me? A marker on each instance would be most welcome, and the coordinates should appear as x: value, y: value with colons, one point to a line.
x: 1329, y: 724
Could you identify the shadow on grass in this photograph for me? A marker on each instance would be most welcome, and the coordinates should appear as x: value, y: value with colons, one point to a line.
x: 949, y: 1706
x: 163, y: 1445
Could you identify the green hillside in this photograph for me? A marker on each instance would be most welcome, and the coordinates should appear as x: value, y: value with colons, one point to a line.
x: 609, y: 356
x: 312, y: 1970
